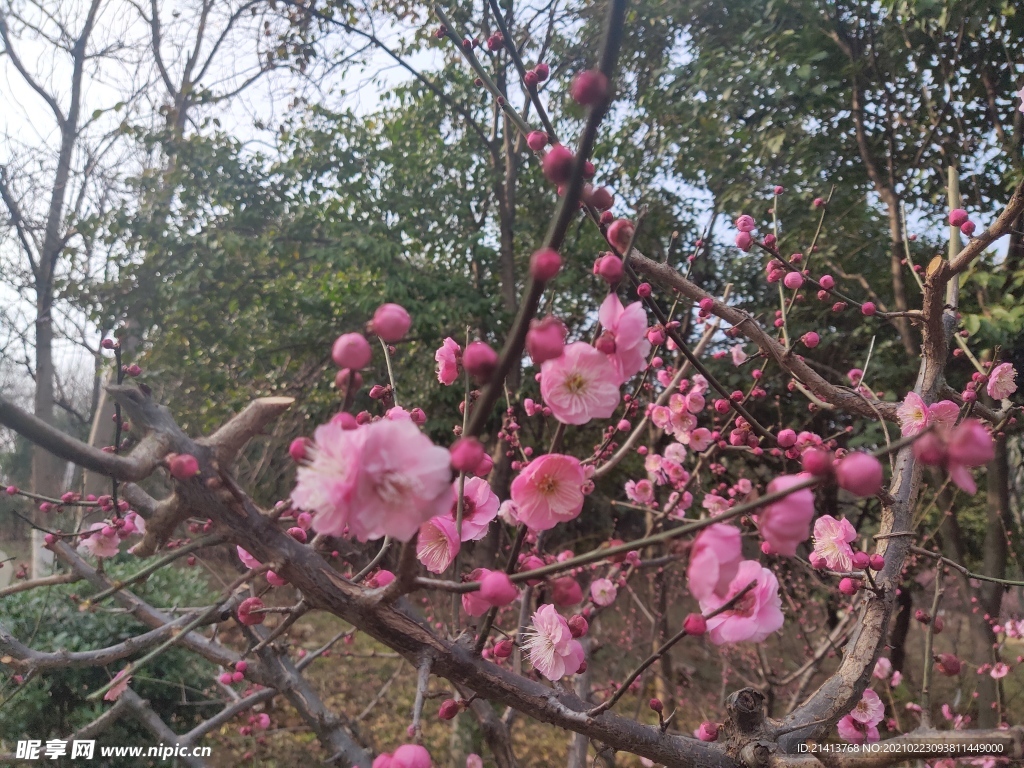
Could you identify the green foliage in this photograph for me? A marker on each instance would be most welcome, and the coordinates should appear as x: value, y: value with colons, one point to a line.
x: 53, y: 705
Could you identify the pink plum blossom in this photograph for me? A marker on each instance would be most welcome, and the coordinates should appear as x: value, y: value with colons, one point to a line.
x: 384, y: 479
x: 628, y: 325
x: 714, y: 561
x: 970, y: 445
x: 913, y: 414
x: 1002, y: 381
x: 102, y: 542
x: 999, y: 671
x: 447, y: 357
x: 479, y: 507
x: 603, y: 592
x: 832, y: 539
x: 787, y: 522
x: 883, y: 668
x: 861, y: 725
x: 640, y: 491
x: 411, y: 756
x: 754, y: 616
x: 550, y: 645
x: 580, y: 385
x: 739, y: 357
x: 549, y: 491
x: 438, y: 544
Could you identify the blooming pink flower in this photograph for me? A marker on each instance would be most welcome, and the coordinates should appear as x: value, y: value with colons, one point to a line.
x: 629, y: 327
x: 913, y: 414
x: 447, y: 357
x: 137, y: 521
x: 943, y: 414
x: 438, y: 544
x: 714, y: 561
x: 384, y: 479
x: 580, y: 385
x: 479, y: 507
x: 121, y: 680
x: 549, y: 491
x: 754, y: 616
x: 714, y: 504
x: 699, y: 439
x: 999, y: 670
x: 832, y: 540
x: 640, y: 491
x: 1002, y: 381
x: 551, y: 647
x: 739, y: 357
x: 861, y: 725
x: 103, y: 542
x: 857, y: 733
x: 787, y: 522
x: 603, y: 592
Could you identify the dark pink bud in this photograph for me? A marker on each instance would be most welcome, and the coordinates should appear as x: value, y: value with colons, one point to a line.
x: 922, y: 616
x: 544, y: 264
x: 695, y: 624
x: 868, y: 308
x: 818, y: 202
x: 346, y: 379
x: 957, y: 217
x: 537, y: 140
x: 656, y: 705
x: 351, y: 350
x: 241, y: 666
x: 769, y: 240
x: 861, y: 560
x: 609, y: 267
x: 839, y: 306
x: 817, y: 561
x: 108, y: 344
x: 602, y: 199
x: 483, y: 469
x: 449, y: 709
x: 778, y: 190
x: 466, y: 454
x: 545, y: 340
x: 503, y: 649
x: 786, y: 438
x: 589, y: 88
x: 744, y: 241
x: 390, y: 322
x: 877, y: 562
x: 299, y: 448
x: 480, y: 360
x: 620, y: 233
x: 745, y: 223
x: 967, y: 228
x: 246, y: 610
x: 849, y: 586
x: 298, y: 534
x: 827, y: 282
x: 606, y: 343
x: 497, y: 589
x: 817, y: 461
x: 793, y: 280
x: 133, y: 370
x: 566, y: 591
x: 860, y: 474
x: 948, y: 664
x: 542, y: 70
x: 531, y: 79
x: 182, y: 466
x: 810, y: 339
x: 557, y: 164
x: 708, y: 731
x: 578, y: 626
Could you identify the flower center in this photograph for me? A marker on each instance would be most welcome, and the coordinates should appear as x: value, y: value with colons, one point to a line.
x: 575, y: 383
x: 547, y: 485
x: 393, y: 487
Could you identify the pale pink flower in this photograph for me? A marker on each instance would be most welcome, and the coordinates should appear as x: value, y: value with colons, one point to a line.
x: 714, y: 561
x: 857, y: 733
x: 121, y: 680
x: 479, y: 507
x: 700, y: 439
x: 754, y: 616
x: 869, y: 710
x: 603, y: 592
x: 447, y: 357
x: 550, y: 645
x: 248, y: 560
x: 549, y: 491
x: 1002, y: 381
x: 640, y: 492
x: 103, y: 542
x: 913, y: 414
x: 384, y: 479
x: 580, y: 385
x: 739, y: 357
x: 438, y: 544
x: 943, y: 414
x: 675, y: 452
x: 474, y: 761
x: 999, y: 671
x: 883, y: 668
x: 970, y: 445
x: 832, y: 539
x: 787, y: 522
x: 714, y: 504
x: 508, y: 511
x: 897, y: 678
x: 629, y: 327
x: 698, y: 383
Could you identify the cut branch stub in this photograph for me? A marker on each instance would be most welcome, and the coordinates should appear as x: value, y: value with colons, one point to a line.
x: 746, y: 718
